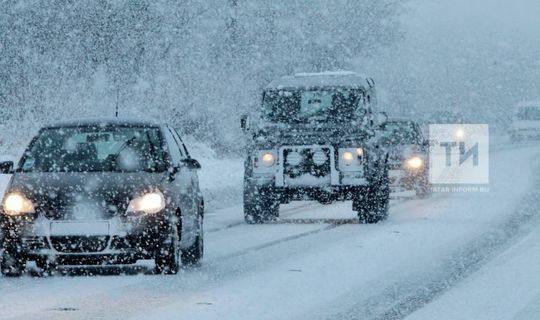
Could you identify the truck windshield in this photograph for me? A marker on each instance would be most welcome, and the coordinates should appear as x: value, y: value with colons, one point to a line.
x: 85, y: 149
x: 528, y: 113
x: 337, y: 105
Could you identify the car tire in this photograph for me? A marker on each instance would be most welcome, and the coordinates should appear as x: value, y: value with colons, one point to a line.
x: 260, y: 206
x: 12, y: 265
x: 193, y: 255
x: 372, y: 205
x: 168, y: 259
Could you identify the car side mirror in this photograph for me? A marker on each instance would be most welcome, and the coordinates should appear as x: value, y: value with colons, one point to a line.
x: 191, y: 163
x: 244, y: 122
x: 6, y: 167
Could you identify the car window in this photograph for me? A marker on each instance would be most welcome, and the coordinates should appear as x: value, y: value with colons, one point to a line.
x: 172, y: 147
x: 81, y: 149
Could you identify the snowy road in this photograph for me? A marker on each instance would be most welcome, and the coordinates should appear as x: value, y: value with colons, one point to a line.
x: 430, y: 259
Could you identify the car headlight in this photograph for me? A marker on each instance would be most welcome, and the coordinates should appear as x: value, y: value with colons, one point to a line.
x: 152, y: 202
x: 16, y: 204
x: 414, y: 163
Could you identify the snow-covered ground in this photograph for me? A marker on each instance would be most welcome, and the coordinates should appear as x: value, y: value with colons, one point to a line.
x: 432, y: 259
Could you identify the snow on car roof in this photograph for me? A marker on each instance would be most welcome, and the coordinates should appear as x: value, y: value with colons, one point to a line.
x: 84, y: 122
x: 321, y: 79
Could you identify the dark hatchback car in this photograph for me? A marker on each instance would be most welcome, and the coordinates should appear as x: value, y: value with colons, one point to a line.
x: 102, y: 192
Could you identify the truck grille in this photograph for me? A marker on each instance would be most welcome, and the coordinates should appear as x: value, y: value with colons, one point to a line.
x: 301, y: 162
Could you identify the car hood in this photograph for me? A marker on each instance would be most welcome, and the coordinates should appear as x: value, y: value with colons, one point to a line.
x: 79, y: 195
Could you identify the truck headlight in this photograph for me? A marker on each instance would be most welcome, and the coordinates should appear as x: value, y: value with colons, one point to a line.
x: 264, y: 161
x: 351, y: 159
x: 319, y: 157
x: 268, y: 159
x: 152, y: 202
x: 347, y: 158
x: 414, y: 163
x: 16, y: 204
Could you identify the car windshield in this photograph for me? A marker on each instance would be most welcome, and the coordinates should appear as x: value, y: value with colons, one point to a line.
x: 85, y: 149
x: 528, y: 113
x: 400, y: 133
x: 335, y: 105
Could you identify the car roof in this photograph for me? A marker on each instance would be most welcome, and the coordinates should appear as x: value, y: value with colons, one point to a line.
x: 345, y: 79
x: 103, y: 122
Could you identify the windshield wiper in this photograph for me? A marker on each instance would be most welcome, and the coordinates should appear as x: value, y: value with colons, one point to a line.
x: 122, y: 148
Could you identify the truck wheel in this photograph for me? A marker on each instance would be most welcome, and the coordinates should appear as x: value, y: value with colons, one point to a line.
x: 260, y: 206
x: 372, y: 206
x: 168, y: 259
x: 193, y: 255
x: 46, y: 266
x: 12, y: 265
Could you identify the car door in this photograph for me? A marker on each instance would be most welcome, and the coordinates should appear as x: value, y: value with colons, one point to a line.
x: 185, y: 152
x: 182, y: 187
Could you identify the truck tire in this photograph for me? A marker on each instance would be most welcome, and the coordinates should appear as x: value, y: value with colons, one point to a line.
x: 260, y: 206
x: 372, y: 205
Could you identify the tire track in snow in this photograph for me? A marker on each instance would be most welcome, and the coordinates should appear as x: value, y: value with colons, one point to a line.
x: 419, y: 289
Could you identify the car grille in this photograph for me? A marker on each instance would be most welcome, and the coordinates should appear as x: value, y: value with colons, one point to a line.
x: 314, y: 161
x: 79, y: 244
x: 52, y: 212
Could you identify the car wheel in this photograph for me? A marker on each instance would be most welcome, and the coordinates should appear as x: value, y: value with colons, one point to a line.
x: 260, y: 206
x: 193, y: 255
x: 12, y: 265
x: 168, y: 259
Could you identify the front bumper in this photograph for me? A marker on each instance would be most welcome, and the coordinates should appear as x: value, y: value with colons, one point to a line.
x: 307, y: 193
x: 124, y: 238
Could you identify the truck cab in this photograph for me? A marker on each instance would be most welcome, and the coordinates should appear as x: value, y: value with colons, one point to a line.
x: 314, y: 138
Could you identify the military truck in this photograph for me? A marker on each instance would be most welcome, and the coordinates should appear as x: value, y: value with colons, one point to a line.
x: 314, y: 137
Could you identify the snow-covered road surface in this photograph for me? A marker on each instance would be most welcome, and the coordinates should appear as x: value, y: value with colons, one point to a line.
x: 431, y: 258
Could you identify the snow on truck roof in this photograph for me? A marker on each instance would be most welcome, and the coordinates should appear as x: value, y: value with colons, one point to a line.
x: 89, y: 122
x: 346, y: 79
